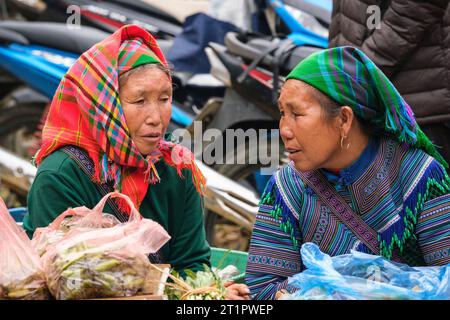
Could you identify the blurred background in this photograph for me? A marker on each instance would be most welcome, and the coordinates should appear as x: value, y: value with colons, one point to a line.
x: 229, y: 60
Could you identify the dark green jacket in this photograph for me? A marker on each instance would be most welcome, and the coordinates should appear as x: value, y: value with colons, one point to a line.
x: 174, y: 203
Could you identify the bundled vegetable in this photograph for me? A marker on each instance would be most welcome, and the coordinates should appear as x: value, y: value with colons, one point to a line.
x: 21, y: 275
x: 200, y: 285
x: 96, y: 261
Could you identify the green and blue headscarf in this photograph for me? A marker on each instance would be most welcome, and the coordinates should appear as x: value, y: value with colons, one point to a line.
x: 350, y: 78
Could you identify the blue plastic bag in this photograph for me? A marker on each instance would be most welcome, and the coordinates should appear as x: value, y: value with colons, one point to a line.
x: 360, y: 276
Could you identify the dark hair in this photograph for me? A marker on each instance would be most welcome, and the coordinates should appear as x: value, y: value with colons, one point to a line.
x: 124, y: 76
x: 331, y: 110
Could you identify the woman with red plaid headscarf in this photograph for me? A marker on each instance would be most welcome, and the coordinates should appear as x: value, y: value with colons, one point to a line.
x: 106, y: 131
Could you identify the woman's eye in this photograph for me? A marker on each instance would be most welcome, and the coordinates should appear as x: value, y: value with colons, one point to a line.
x: 281, y: 113
x: 139, y: 101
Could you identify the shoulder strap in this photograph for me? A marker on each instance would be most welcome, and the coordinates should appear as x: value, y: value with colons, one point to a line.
x: 329, y: 196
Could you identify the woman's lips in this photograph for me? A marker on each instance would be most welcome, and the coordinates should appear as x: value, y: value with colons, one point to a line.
x: 293, y: 153
x: 152, y: 137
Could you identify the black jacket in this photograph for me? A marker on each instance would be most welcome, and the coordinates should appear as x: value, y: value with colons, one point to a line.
x: 411, y: 45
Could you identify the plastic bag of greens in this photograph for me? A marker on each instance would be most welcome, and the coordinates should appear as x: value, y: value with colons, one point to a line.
x: 70, y: 219
x: 21, y: 275
x: 103, y: 262
x: 362, y: 276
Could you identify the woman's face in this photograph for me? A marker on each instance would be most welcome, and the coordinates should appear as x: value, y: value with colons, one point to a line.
x: 146, y: 99
x: 311, y: 140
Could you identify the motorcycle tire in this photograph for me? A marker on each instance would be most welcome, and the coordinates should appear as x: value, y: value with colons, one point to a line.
x: 18, y: 122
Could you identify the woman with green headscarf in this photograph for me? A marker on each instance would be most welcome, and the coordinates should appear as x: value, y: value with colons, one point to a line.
x: 362, y: 175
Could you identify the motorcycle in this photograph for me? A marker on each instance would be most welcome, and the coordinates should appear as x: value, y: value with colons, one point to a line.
x: 252, y: 67
x: 304, y: 21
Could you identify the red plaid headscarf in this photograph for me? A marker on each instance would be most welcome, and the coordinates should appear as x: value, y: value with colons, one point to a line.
x: 86, y: 112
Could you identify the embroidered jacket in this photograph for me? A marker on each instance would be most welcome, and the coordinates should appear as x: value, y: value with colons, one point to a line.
x: 401, y: 193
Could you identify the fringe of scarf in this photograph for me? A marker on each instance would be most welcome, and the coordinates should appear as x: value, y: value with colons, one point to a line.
x: 181, y: 158
x: 176, y: 156
x: 400, y: 122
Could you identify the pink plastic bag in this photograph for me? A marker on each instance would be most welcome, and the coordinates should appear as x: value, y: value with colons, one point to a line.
x: 21, y: 275
x: 94, y: 262
x: 68, y: 220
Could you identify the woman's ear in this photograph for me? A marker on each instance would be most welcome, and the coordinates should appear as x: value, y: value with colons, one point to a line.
x: 347, y: 117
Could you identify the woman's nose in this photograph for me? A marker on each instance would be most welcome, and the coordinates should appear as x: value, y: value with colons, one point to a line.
x: 285, y: 130
x: 153, y: 117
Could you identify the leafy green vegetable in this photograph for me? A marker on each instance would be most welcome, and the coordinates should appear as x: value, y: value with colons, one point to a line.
x: 200, y: 285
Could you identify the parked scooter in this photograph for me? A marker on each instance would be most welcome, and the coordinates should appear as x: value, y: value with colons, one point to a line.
x: 253, y: 68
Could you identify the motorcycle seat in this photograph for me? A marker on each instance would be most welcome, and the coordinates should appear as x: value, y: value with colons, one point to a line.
x: 51, y: 34
x: 251, y: 48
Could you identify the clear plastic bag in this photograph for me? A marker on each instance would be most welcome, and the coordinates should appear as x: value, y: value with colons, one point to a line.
x: 21, y: 275
x: 94, y: 261
x: 360, y: 276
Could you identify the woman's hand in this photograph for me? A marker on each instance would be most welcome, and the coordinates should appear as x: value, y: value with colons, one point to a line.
x: 236, y: 291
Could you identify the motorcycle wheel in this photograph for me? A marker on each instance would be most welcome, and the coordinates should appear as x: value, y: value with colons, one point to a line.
x: 18, y: 127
